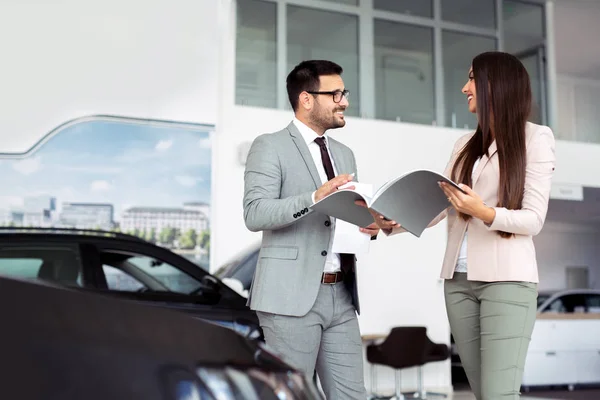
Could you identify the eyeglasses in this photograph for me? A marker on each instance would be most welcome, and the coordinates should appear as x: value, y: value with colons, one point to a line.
x: 337, y: 94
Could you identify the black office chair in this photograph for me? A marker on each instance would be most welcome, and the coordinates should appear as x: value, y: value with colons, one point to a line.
x: 433, y: 352
x: 407, y: 347
x: 402, y: 348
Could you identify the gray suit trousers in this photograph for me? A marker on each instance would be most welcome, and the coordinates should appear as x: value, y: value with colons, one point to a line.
x: 326, y: 338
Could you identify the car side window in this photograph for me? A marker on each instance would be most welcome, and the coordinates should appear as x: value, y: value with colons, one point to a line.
x: 173, y: 278
x: 592, y: 302
x: 569, y: 303
x: 56, y: 264
x: 153, y: 274
x: 121, y: 281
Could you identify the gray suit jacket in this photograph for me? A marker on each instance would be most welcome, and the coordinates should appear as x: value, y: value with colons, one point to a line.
x: 279, y: 180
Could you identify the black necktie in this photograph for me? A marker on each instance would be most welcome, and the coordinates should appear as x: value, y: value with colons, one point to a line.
x: 325, y: 158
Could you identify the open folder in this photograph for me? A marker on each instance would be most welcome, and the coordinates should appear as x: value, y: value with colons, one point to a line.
x: 413, y: 200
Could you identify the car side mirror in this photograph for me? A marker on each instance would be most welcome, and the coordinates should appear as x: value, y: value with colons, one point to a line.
x: 236, y: 285
x: 211, y: 282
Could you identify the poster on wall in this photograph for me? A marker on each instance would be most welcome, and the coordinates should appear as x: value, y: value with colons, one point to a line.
x: 150, y: 179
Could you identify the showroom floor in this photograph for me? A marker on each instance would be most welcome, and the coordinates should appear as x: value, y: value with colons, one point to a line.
x: 578, y: 394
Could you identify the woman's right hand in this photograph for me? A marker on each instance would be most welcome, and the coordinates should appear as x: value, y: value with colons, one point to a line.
x: 382, y: 222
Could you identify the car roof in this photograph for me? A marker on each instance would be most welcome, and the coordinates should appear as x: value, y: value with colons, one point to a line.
x: 68, y: 232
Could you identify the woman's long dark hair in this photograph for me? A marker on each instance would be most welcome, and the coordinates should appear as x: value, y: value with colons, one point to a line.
x: 503, y: 94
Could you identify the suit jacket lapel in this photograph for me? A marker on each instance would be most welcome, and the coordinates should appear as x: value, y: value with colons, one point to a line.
x: 305, y: 153
x: 482, y: 163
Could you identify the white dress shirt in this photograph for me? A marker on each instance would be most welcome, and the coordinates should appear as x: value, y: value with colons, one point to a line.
x: 461, y: 263
x: 332, y: 264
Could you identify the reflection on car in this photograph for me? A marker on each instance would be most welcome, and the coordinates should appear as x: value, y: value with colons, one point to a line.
x: 63, y: 342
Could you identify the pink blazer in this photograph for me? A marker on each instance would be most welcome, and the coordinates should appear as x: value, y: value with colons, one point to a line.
x: 491, y: 258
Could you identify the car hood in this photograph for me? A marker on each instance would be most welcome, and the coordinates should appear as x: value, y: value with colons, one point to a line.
x: 67, y: 343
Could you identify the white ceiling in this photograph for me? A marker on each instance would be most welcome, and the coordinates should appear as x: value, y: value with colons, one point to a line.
x: 577, y: 37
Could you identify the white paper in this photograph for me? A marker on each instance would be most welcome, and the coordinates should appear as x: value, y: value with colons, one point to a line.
x: 366, y: 189
x: 347, y: 237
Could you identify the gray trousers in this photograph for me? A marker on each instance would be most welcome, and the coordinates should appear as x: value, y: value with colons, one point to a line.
x: 327, y: 338
x: 492, y: 324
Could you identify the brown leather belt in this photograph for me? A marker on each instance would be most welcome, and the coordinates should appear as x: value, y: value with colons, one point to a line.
x: 330, y: 278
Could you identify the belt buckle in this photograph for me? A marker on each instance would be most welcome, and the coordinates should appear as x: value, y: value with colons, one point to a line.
x: 335, y: 278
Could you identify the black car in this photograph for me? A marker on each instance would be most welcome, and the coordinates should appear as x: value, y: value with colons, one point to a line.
x: 123, y: 266
x: 241, y: 267
x: 69, y: 343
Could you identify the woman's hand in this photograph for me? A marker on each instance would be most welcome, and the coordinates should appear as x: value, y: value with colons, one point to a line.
x: 468, y: 203
x: 379, y: 219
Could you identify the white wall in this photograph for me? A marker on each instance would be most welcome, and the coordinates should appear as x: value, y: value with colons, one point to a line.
x: 68, y: 59
x: 578, y: 105
x: 562, y: 245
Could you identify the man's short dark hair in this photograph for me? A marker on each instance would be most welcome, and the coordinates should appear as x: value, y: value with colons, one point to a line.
x: 305, y: 77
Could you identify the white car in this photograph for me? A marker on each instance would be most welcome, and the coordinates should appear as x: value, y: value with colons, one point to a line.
x: 565, y: 344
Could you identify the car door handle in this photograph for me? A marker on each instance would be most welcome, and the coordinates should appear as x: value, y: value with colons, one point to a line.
x: 550, y: 353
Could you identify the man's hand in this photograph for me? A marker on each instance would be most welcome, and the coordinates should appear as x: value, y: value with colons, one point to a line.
x: 332, y: 185
x: 379, y: 219
x: 372, y: 229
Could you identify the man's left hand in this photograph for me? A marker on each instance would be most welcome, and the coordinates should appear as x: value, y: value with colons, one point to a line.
x: 372, y: 229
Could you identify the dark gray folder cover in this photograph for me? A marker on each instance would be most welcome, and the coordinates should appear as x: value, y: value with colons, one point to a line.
x: 413, y: 200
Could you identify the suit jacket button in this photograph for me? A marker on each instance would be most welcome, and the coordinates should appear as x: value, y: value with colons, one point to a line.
x: 295, y: 215
x: 327, y: 223
x: 323, y: 253
x: 306, y: 209
x: 302, y: 212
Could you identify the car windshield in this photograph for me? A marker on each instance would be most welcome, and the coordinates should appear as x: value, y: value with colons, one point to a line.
x: 541, y: 299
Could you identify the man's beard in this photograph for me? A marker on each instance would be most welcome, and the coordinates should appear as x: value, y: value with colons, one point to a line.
x: 326, y: 119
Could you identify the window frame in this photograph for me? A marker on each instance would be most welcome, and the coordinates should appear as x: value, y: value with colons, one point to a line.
x: 366, y: 14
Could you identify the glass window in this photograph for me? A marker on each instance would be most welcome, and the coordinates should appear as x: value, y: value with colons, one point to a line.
x: 524, y: 32
x: 523, y: 26
x: 459, y: 50
x: 570, y: 303
x: 171, y: 277
x: 256, y: 54
x: 420, y: 8
x: 330, y: 36
x: 121, y: 281
x: 587, y: 117
x: 404, y: 79
x: 348, y: 2
x: 480, y: 13
x: 535, y: 64
x: 556, y: 306
x: 60, y: 265
x: 592, y: 302
x: 20, y: 267
x: 542, y: 298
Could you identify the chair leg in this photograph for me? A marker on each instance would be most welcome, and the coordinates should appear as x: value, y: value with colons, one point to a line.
x: 398, y: 385
x: 373, y: 384
x: 422, y: 393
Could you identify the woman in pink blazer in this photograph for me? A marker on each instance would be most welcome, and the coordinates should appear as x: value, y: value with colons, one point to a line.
x: 490, y: 267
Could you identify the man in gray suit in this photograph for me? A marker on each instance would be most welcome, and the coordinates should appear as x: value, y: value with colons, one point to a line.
x: 304, y: 294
